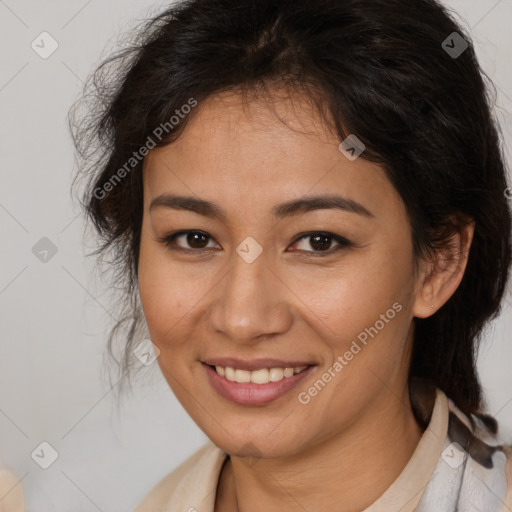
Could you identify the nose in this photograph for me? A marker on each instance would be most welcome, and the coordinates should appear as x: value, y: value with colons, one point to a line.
x: 251, y: 303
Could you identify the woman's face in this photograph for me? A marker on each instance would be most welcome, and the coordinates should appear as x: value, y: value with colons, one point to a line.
x: 260, y: 284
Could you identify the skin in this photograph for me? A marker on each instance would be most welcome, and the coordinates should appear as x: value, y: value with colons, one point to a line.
x: 355, y: 436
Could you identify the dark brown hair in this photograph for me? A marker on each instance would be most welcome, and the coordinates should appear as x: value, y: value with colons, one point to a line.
x: 379, y: 69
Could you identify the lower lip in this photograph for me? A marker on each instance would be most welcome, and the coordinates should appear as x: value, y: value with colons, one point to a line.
x: 248, y: 393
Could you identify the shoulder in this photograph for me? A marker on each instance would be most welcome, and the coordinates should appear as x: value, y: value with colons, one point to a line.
x: 196, y: 477
x: 11, y: 492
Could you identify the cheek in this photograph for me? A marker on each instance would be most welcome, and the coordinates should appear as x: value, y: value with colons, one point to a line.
x: 349, y: 298
x: 167, y: 300
x: 362, y: 315
x: 166, y: 294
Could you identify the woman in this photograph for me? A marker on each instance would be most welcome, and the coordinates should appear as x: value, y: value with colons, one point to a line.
x: 310, y: 202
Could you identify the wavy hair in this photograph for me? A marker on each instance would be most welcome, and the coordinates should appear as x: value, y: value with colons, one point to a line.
x: 380, y: 69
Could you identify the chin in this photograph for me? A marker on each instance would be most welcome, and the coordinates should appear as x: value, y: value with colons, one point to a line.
x: 257, y: 447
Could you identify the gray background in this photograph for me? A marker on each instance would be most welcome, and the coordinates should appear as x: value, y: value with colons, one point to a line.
x: 55, y: 314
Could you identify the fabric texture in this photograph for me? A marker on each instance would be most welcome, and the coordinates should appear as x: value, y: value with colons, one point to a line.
x: 439, y: 477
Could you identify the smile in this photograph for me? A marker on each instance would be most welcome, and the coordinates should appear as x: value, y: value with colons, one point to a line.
x: 262, y: 376
x: 256, y: 387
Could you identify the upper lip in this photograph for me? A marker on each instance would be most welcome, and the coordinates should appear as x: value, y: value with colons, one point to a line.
x: 254, y: 364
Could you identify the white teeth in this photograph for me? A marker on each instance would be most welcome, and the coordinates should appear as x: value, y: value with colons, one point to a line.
x: 242, y: 376
x: 288, y: 372
x: 259, y: 376
x: 276, y: 374
x: 262, y: 376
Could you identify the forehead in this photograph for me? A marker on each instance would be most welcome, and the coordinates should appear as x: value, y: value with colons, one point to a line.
x: 256, y: 151
x: 273, y: 128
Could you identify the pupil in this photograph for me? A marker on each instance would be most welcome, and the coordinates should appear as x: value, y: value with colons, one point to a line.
x: 193, y: 240
x: 324, y: 245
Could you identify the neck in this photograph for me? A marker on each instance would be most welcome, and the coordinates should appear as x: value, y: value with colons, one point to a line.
x: 345, y: 473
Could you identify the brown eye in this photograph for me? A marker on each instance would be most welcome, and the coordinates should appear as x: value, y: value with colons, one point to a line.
x: 196, y: 240
x: 190, y: 241
x: 321, y: 243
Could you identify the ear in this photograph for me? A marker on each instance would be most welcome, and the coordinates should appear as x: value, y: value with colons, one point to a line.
x: 438, y: 279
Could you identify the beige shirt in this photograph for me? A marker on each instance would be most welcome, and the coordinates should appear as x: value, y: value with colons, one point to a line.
x: 192, y: 486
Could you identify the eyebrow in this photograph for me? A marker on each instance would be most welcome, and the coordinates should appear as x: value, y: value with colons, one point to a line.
x: 288, y: 209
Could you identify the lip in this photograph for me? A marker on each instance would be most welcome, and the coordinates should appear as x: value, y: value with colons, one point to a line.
x: 248, y: 393
x: 255, y: 364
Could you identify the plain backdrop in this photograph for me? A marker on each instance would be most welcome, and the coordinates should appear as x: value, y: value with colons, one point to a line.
x: 54, y: 316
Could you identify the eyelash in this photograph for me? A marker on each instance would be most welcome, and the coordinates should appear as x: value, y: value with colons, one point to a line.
x: 343, y: 242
